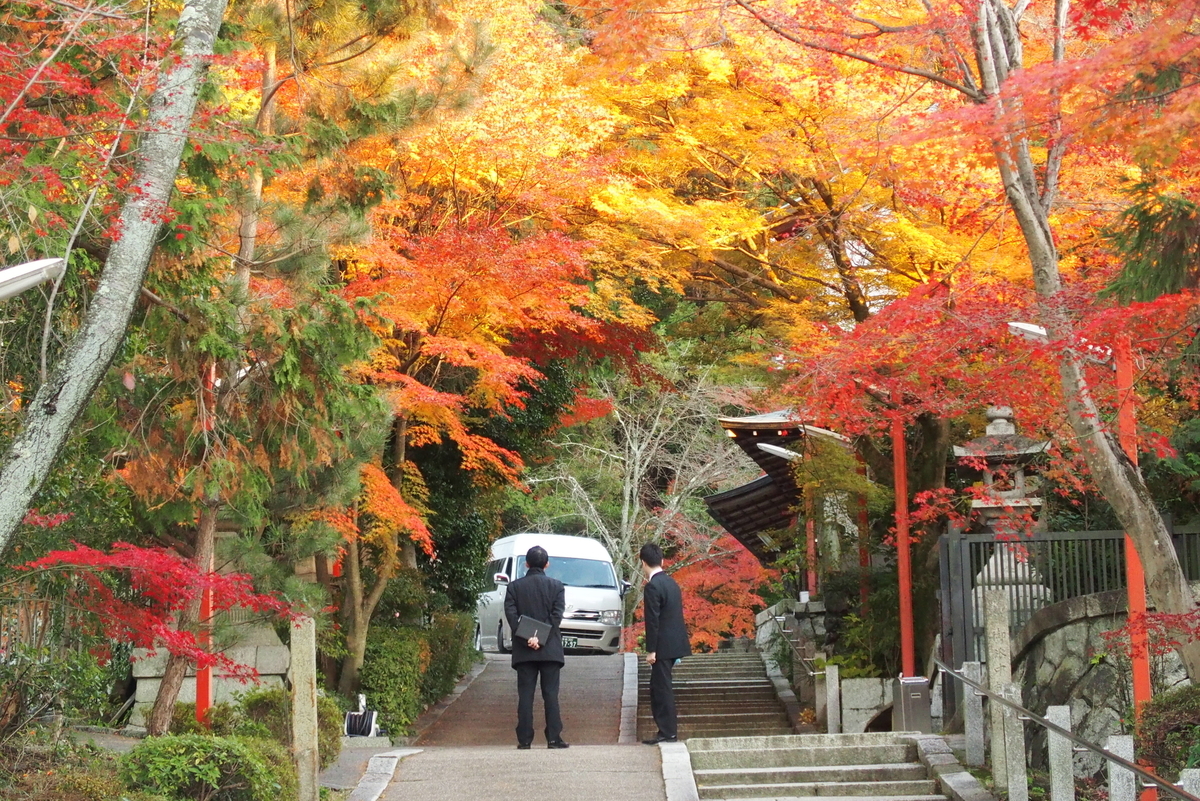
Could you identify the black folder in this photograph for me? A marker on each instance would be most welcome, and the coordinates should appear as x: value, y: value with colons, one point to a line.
x: 530, y: 627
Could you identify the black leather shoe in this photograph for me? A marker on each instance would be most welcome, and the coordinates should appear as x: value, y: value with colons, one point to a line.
x: 660, y: 738
x: 557, y: 744
x: 523, y: 746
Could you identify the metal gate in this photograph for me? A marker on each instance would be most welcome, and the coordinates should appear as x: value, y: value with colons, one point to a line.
x: 1040, y: 570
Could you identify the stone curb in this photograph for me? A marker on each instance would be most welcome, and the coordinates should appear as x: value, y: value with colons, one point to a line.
x: 677, y: 772
x: 955, y: 781
x: 434, y: 713
x: 783, y: 689
x: 379, y: 774
x: 629, y: 702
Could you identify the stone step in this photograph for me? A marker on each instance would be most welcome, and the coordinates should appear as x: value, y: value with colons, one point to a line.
x: 715, y: 683
x: 692, y: 732
x: 883, y: 789
x: 805, y: 741
x: 722, y: 707
x: 739, y: 758
x: 836, y: 798
x: 753, y: 718
x: 729, y: 698
x: 909, y: 771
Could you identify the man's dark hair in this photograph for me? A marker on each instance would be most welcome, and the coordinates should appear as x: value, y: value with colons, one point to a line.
x: 537, y: 557
x: 651, y: 554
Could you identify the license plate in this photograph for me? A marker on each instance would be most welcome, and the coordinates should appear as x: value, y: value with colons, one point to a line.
x: 570, y: 642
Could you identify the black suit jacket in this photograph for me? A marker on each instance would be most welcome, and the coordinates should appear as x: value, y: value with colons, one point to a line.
x: 666, y: 633
x: 542, y: 598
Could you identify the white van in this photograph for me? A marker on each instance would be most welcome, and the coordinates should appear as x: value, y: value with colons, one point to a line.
x: 594, y: 592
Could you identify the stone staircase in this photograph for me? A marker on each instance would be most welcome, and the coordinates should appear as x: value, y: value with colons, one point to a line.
x: 836, y: 767
x: 724, y: 694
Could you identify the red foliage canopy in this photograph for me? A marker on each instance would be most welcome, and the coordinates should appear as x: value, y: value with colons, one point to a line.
x: 163, y: 583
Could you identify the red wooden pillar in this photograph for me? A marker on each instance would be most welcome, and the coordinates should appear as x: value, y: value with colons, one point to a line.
x: 1135, y: 577
x: 204, y: 688
x: 864, y: 553
x: 903, y: 561
x: 810, y: 538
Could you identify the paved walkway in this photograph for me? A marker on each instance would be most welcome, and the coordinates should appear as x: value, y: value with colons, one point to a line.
x: 486, y: 714
x: 499, y: 773
x: 470, y: 753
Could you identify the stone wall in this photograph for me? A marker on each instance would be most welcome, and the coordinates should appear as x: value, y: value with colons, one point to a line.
x: 257, y: 645
x: 1060, y: 657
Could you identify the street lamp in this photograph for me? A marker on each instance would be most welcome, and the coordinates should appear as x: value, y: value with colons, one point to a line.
x: 15, y: 280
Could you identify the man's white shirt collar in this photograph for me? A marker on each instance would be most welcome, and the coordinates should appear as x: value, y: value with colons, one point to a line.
x: 653, y: 573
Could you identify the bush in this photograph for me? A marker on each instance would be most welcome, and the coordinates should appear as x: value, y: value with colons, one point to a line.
x: 270, y: 709
x: 393, y: 669
x: 407, y: 669
x: 451, y: 652
x: 205, y: 768
x: 1168, y: 731
x: 265, y: 713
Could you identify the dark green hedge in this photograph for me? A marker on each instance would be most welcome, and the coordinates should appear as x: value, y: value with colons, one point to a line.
x: 208, y: 768
x: 408, y: 668
x: 1168, y: 731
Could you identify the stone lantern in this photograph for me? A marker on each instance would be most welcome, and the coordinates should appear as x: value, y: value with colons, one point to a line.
x: 1006, y: 463
x: 1004, y: 460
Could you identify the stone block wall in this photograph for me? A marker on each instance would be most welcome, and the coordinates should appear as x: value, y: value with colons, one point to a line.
x: 256, y: 645
x: 1061, y: 657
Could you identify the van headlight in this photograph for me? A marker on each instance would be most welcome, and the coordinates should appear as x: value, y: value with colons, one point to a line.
x: 611, y: 617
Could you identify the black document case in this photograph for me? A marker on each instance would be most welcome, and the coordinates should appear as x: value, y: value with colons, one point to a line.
x: 530, y: 627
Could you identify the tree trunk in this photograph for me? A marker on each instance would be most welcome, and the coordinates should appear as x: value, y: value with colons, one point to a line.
x: 66, y: 392
x: 998, y: 52
x: 159, y: 721
x: 252, y: 203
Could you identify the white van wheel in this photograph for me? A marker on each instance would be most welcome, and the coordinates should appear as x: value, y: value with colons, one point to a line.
x: 500, y: 639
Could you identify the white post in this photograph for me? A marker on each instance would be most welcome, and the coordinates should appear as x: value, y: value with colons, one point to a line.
x: 833, y: 702
x: 1062, y: 774
x: 1189, y: 780
x: 999, y: 667
x: 1016, y: 777
x: 1122, y: 783
x: 973, y: 715
x: 304, y: 708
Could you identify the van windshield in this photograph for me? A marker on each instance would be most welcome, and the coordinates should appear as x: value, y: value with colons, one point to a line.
x: 578, y: 572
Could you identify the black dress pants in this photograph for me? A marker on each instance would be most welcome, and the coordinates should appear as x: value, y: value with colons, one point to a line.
x: 662, y: 697
x: 527, y: 679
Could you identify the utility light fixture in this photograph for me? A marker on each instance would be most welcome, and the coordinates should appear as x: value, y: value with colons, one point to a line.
x: 782, y: 453
x: 15, y: 280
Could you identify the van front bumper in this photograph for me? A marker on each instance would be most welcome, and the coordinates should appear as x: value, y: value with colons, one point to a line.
x: 589, y: 636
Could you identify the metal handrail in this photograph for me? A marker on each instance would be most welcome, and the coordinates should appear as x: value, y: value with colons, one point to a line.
x: 1145, y: 775
x: 807, y: 662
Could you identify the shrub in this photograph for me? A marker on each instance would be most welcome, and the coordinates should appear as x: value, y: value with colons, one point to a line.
x: 205, y: 768
x: 1168, y: 728
x: 393, y: 668
x: 451, y: 652
x: 270, y: 709
x: 265, y: 713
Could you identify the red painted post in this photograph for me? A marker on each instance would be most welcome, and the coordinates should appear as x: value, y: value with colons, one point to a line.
x: 904, y: 567
x: 810, y: 534
x: 204, y: 688
x: 1135, y: 577
x: 864, y: 554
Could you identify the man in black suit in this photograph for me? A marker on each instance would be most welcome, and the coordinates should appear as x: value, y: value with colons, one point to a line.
x: 542, y: 598
x: 666, y: 641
